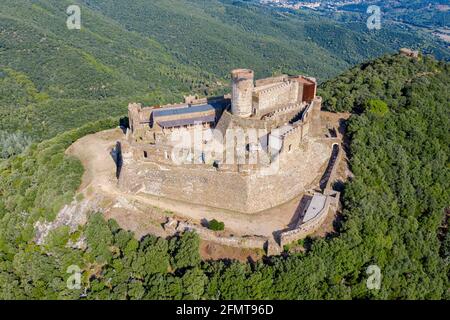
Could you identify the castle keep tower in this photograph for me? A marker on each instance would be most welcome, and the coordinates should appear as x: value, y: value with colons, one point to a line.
x: 242, y: 90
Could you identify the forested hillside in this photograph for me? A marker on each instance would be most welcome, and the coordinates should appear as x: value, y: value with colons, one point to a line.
x: 53, y: 79
x: 424, y: 13
x: 393, y: 212
x: 101, y: 60
x: 219, y: 35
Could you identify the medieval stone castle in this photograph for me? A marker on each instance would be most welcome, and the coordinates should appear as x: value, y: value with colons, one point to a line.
x: 271, y: 136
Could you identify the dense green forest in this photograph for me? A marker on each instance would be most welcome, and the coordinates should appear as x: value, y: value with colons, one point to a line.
x: 219, y: 35
x: 53, y: 79
x: 393, y: 213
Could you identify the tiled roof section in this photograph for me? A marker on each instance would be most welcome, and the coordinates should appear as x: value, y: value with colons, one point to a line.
x: 187, y: 121
x: 185, y: 110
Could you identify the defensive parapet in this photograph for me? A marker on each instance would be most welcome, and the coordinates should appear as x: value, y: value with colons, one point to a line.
x: 307, y: 88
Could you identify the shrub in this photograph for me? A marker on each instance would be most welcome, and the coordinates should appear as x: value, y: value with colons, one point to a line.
x: 216, y: 225
x: 377, y: 107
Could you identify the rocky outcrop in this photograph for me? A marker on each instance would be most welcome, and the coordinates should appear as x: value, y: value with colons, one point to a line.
x: 71, y: 215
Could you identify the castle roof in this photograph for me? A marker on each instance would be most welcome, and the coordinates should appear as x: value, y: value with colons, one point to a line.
x: 187, y: 114
x: 186, y: 109
x: 187, y: 121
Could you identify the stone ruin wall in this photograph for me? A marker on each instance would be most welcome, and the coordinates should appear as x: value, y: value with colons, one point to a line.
x: 242, y: 90
x: 173, y: 227
x: 250, y: 242
x: 296, y: 138
x: 138, y: 120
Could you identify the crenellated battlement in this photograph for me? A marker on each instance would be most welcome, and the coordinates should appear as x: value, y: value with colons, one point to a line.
x: 272, y: 87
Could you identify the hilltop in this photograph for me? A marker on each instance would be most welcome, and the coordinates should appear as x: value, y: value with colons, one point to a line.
x: 393, y: 213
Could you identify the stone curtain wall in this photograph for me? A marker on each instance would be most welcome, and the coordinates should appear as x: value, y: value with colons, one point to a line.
x: 242, y: 90
x: 266, y: 81
x: 173, y: 226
